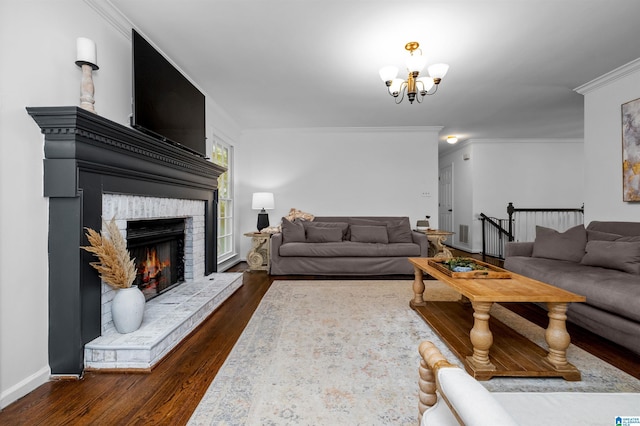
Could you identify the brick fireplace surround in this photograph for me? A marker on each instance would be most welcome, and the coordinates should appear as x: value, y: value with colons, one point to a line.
x: 91, y: 164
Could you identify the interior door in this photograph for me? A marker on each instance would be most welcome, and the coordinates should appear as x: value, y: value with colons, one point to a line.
x: 445, y: 198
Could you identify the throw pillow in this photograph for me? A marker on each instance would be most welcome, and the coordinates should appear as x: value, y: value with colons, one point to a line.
x: 292, y: 231
x: 369, y: 234
x: 601, y: 236
x: 324, y: 235
x: 568, y: 245
x: 620, y: 255
x: 400, y: 233
x: 343, y: 226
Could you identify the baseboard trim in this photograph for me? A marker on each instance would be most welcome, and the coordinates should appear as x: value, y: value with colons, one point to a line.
x: 24, y: 386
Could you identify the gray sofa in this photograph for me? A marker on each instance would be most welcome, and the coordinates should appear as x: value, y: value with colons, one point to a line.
x: 601, y: 262
x: 346, y: 245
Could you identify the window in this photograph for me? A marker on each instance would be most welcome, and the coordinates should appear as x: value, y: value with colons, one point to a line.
x: 223, y: 155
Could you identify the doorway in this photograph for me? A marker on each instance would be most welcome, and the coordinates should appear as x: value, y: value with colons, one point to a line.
x: 445, y: 198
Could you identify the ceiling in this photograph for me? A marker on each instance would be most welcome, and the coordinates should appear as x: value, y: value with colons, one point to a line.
x: 514, y: 64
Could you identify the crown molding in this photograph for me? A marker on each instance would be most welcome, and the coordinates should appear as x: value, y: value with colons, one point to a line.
x: 609, y: 77
x: 525, y: 140
x: 112, y: 15
x: 446, y: 149
x: 398, y: 129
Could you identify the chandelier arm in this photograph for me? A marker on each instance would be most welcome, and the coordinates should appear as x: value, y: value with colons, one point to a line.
x: 402, y: 90
x: 434, y: 92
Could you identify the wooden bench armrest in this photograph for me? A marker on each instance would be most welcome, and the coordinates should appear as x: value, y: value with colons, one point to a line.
x: 469, y: 402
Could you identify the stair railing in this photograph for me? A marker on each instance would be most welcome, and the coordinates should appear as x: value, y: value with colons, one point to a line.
x: 521, y: 225
x: 522, y: 222
x: 494, y: 235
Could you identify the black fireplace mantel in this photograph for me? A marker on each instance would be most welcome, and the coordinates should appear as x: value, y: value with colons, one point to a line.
x: 85, y: 156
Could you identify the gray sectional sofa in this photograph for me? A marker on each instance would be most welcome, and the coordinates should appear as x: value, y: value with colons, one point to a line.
x: 346, y: 245
x: 601, y: 262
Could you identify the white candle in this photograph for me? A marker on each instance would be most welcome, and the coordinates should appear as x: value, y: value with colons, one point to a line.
x: 86, y: 50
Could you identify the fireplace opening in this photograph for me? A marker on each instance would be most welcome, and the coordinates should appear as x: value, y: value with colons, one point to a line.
x: 158, y: 249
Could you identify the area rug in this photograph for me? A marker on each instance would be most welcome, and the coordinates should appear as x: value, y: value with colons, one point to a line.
x: 345, y: 352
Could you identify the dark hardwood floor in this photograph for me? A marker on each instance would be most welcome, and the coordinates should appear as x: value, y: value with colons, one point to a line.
x: 169, y: 394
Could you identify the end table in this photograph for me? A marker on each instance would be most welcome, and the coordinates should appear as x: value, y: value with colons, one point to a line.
x: 259, y: 256
x: 436, y: 239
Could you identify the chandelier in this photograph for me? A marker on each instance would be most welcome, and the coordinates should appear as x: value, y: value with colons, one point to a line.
x: 413, y: 85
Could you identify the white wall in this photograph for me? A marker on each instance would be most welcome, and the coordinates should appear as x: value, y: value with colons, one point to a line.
x: 338, y: 172
x: 38, y: 46
x: 603, y: 144
x: 530, y: 173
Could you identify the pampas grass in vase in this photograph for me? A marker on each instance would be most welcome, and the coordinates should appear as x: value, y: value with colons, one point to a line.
x: 114, y: 263
x: 117, y: 269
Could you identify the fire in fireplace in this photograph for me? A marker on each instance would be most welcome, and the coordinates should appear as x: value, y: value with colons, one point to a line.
x: 158, y: 249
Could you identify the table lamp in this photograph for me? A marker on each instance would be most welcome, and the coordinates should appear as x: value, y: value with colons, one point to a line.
x: 262, y: 201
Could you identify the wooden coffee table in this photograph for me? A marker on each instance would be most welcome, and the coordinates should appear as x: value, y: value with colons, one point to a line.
x: 511, y: 353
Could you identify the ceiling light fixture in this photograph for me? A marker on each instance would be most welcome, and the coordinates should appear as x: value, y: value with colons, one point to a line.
x: 413, y: 85
x: 452, y: 139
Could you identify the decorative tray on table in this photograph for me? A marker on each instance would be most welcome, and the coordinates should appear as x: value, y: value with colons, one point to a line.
x: 466, y: 267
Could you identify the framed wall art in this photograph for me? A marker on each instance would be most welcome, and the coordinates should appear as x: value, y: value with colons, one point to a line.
x: 631, y: 151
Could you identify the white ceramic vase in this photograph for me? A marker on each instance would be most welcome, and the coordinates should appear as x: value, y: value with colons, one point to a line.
x: 127, y: 309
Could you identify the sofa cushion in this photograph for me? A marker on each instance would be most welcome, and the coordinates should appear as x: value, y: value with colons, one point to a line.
x: 365, y: 222
x: 343, y: 226
x: 349, y: 249
x: 400, y: 233
x: 607, y: 289
x: 568, y: 245
x: 324, y: 235
x: 620, y: 255
x: 292, y: 231
x: 601, y: 236
x: 622, y: 228
x: 369, y: 234
x: 368, y: 222
x: 398, y: 229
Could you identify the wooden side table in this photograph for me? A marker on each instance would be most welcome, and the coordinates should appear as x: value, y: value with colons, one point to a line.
x: 259, y: 257
x: 436, y: 241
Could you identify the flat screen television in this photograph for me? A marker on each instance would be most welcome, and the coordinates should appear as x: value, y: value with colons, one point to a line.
x: 165, y: 103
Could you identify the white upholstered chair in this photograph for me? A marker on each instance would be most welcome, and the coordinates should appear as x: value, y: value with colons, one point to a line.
x: 449, y: 396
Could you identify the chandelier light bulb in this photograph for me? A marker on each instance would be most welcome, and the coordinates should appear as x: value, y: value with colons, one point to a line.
x: 388, y: 73
x: 424, y: 84
x: 396, y: 85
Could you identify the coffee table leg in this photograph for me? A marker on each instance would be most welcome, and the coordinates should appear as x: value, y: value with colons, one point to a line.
x: 481, y: 337
x: 558, y: 340
x: 557, y: 336
x: 418, y: 288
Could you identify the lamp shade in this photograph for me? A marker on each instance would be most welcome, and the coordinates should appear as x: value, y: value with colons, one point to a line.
x: 388, y: 73
x: 438, y: 70
x: 416, y: 62
x: 262, y: 200
x: 426, y: 83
